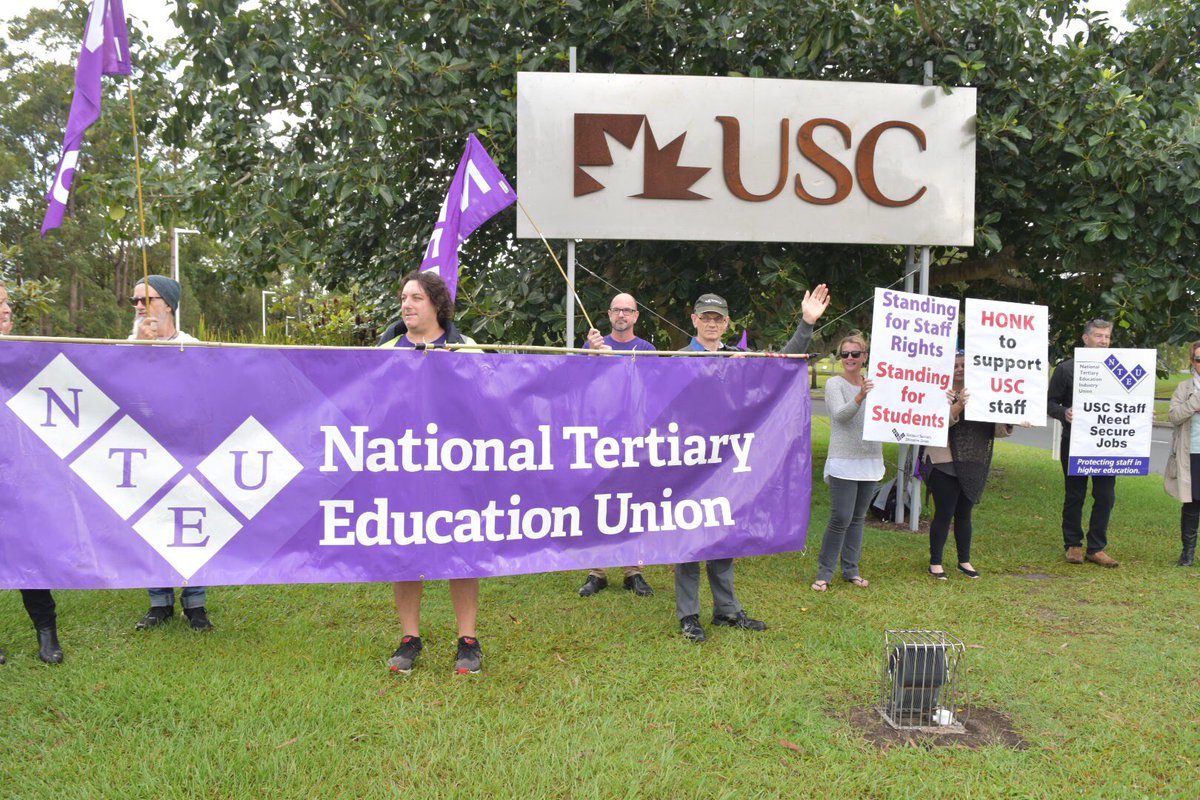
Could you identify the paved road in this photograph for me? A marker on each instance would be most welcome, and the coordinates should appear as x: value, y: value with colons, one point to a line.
x: 1044, y: 438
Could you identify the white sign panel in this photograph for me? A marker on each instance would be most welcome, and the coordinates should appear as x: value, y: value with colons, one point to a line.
x: 1007, y: 372
x: 1112, y: 415
x: 744, y: 159
x: 912, y: 366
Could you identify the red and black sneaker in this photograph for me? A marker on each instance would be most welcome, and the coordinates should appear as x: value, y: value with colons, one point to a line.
x: 470, y: 656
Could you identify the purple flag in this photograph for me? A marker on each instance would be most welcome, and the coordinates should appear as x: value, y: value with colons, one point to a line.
x: 478, y: 193
x: 742, y: 343
x: 105, y: 51
x: 126, y: 466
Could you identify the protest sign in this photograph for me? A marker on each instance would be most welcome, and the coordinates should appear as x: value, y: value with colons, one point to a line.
x: 912, y: 366
x: 128, y: 466
x: 1112, y: 412
x: 1007, y: 373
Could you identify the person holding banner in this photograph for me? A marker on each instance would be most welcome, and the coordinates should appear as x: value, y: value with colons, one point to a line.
x: 427, y: 319
x: 39, y: 603
x: 956, y: 475
x: 622, y: 316
x: 1097, y: 333
x: 155, y: 301
x: 852, y: 467
x: 1184, y: 459
x: 710, y: 316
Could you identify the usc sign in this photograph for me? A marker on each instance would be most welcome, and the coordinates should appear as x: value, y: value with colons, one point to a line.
x: 744, y: 159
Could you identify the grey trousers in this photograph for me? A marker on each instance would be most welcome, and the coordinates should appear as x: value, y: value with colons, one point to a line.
x: 844, y: 533
x: 720, y: 580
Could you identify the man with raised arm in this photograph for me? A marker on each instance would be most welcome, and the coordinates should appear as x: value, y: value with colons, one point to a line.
x: 711, y: 319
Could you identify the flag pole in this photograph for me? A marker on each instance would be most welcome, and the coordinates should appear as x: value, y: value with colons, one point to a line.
x: 570, y: 286
x: 137, y: 160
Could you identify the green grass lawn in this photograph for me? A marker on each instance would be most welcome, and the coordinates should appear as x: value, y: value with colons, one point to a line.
x: 289, y: 696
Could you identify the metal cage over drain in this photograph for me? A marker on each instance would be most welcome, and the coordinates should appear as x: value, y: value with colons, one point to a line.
x: 922, y: 681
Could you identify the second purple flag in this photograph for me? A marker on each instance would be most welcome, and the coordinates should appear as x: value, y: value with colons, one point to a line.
x: 477, y: 193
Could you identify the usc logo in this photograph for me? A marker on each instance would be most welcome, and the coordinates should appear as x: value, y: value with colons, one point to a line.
x: 664, y: 178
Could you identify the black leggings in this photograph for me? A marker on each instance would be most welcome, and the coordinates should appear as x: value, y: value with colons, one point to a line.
x: 950, y: 504
x: 39, y: 604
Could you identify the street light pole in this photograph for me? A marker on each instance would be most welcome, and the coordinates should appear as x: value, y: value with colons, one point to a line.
x: 264, y: 310
x: 175, y: 271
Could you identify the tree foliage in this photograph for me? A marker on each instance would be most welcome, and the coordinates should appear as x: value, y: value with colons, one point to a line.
x: 82, y: 273
x: 327, y: 132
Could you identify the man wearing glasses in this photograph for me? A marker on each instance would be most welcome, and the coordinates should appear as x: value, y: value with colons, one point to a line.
x: 622, y: 315
x: 710, y: 316
x: 39, y: 603
x: 154, y: 319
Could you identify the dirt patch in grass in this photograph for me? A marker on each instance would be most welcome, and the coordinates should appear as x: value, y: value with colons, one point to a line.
x: 922, y: 526
x: 984, y: 728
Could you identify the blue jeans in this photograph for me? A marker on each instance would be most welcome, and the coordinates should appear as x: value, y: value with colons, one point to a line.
x: 190, y: 597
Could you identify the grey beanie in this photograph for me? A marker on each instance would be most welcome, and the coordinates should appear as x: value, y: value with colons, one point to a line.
x: 167, y: 288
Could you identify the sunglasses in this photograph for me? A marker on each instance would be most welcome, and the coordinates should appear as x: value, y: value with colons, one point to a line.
x: 851, y: 354
x: 136, y: 301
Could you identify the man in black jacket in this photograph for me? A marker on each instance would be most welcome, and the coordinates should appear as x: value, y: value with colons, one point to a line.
x: 1097, y: 333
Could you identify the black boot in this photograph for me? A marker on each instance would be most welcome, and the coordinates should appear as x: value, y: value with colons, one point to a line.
x: 49, y: 649
x: 1, y: 656
x: 1189, y: 521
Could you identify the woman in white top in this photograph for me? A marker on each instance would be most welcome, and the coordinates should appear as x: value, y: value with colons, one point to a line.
x: 1184, y: 459
x: 852, y: 466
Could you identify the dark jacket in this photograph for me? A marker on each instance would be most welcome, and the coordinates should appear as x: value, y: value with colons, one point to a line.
x: 1059, y: 397
x: 397, y: 329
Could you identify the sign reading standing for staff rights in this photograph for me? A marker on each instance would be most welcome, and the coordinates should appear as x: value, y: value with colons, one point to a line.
x: 912, y: 366
x: 1007, y: 375
x: 1113, y: 412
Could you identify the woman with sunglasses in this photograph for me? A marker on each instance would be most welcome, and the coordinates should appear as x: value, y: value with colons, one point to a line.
x: 852, y: 466
x: 1184, y: 458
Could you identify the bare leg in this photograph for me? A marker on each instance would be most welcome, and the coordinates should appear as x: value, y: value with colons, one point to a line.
x: 408, y: 605
x: 464, y: 594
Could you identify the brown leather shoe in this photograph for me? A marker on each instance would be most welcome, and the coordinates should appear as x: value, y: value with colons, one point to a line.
x: 1074, y: 555
x: 1103, y: 559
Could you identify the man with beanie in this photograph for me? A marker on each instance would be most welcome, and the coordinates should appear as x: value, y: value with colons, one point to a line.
x: 39, y: 603
x: 154, y: 318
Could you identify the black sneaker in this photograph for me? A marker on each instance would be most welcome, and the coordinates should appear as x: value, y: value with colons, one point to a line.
x: 593, y: 585
x: 402, y: 660
x: 155, y: 616
x: 637, y: 584
x: 692, y: 629
x: 470, y: 656
x: 198, y: 618
x: 740, y: 620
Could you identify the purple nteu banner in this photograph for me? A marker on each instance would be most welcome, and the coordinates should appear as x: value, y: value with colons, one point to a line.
x: 130, y: 466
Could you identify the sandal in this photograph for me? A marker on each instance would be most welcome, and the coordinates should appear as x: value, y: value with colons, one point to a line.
x: 859, y: 581
x: 820, y: 586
